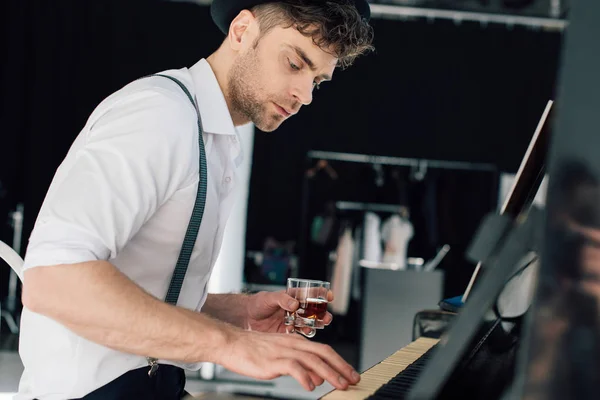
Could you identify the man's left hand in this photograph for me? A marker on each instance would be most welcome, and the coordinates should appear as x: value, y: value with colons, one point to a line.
x: 266, y: 312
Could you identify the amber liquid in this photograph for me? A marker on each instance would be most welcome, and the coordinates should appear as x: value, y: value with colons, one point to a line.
x: 312, y: 309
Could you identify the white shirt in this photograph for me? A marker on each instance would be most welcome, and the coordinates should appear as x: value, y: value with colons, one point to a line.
x: 396, y: 232
x: 125, y: 193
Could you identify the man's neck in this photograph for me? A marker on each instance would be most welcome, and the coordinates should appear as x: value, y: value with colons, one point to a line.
x: 220, y: 66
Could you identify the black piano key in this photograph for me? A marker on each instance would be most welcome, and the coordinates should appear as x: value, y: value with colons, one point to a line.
x: 393, y: 390
x: 399, y: 386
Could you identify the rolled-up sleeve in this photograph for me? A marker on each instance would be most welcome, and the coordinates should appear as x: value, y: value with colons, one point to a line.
x: 119, y: 171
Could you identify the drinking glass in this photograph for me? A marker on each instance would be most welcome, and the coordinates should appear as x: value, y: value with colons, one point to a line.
x: 313, y: 298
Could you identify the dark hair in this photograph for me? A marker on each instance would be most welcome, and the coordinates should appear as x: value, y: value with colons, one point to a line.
x: 335, y: 26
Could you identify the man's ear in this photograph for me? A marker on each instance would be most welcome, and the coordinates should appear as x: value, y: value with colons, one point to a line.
x: 241, y: 30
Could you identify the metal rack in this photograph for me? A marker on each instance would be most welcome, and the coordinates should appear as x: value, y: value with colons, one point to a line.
x: 400, y: 161
x: 386, y: 11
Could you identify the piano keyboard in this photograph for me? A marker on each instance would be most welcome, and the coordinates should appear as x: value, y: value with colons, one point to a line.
x: 392, y: 377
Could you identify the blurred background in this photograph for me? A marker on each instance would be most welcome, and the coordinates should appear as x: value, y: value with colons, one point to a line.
x: 426, y: 132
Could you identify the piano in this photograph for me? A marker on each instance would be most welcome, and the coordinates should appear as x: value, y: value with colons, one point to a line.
x: 390, y: 378
x: 396, y: 376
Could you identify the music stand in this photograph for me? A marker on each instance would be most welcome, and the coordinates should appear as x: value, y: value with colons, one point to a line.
x: 522, y: 222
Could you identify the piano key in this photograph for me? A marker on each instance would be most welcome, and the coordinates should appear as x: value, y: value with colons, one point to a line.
x: 406, y: 359
x: 399, y: 386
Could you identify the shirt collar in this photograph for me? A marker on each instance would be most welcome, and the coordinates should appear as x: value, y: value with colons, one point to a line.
x: 215, y: 114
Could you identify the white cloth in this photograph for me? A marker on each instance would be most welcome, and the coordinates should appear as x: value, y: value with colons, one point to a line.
x: 372, y: 237
x: 396, y: 233
x: 342, y: 274
x: 125, y: 193
x: 517, y: 294
x: 356, y: 289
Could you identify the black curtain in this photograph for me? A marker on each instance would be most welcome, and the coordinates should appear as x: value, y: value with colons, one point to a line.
x: 59, y: 60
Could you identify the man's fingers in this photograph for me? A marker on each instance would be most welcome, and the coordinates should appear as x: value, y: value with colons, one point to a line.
x: 294, y: 369
x: 329, y: 295
x: 315, y: 378
x: 328, y: 318
x: 332, y: 358
x: 324, y: 370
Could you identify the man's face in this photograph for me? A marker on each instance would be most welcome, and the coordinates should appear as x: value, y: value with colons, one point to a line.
x: 270, y: 80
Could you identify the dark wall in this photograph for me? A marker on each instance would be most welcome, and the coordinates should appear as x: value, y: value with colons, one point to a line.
x: 434, y: 90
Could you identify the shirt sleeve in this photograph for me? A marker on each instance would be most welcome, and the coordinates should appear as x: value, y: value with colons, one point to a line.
x: 132, y: 159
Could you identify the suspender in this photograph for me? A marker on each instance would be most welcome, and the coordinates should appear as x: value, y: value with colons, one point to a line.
x: 194, y: 224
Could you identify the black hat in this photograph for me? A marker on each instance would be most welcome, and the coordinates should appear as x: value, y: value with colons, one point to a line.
x: 224, y: 11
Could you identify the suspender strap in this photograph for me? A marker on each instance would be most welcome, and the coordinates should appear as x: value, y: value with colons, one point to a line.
x: 196, y: 218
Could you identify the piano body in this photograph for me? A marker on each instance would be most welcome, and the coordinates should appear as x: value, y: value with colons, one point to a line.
x: 395, y: 376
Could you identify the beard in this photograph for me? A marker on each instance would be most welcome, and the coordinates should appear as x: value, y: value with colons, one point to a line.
x: 245, y: 93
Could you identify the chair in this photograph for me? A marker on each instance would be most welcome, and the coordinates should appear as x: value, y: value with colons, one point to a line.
x: 15, y: 262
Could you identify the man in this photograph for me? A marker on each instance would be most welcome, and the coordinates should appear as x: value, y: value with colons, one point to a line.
x: 107, y: 238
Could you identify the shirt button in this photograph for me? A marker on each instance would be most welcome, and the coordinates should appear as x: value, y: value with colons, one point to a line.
x: 234, y: 139
x: 227, y: 179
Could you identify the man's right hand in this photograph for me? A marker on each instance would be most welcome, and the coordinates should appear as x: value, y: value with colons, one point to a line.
x: 270, y: 355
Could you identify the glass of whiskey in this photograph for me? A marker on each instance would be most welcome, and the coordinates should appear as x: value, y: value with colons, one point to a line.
x: 313, y: 298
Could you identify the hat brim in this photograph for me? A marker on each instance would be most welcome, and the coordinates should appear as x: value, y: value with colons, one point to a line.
x: 224, y: 11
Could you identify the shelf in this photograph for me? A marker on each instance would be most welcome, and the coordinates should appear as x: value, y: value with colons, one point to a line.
x: 403, y: 12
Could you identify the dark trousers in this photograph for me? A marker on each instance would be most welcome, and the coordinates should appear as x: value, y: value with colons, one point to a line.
x: 168, y: 383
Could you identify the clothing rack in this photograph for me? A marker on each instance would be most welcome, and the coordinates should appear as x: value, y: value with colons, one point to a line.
x: 418, y: 164
x: 400, y: 161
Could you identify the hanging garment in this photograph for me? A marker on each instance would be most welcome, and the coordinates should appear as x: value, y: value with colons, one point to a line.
x: 372, y: 238
x: 355, y: 265
x: 342, y: 274
x: 396, y: 233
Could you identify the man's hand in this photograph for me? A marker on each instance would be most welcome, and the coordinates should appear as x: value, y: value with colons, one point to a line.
x: 266, y: 312
x: 270, y: 355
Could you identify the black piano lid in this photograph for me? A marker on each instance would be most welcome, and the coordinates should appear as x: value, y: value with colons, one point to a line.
x: 455, y: 341
x: 561, y: 331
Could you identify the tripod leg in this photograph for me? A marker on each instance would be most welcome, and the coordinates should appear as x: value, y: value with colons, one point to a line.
x: 10, y: 321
